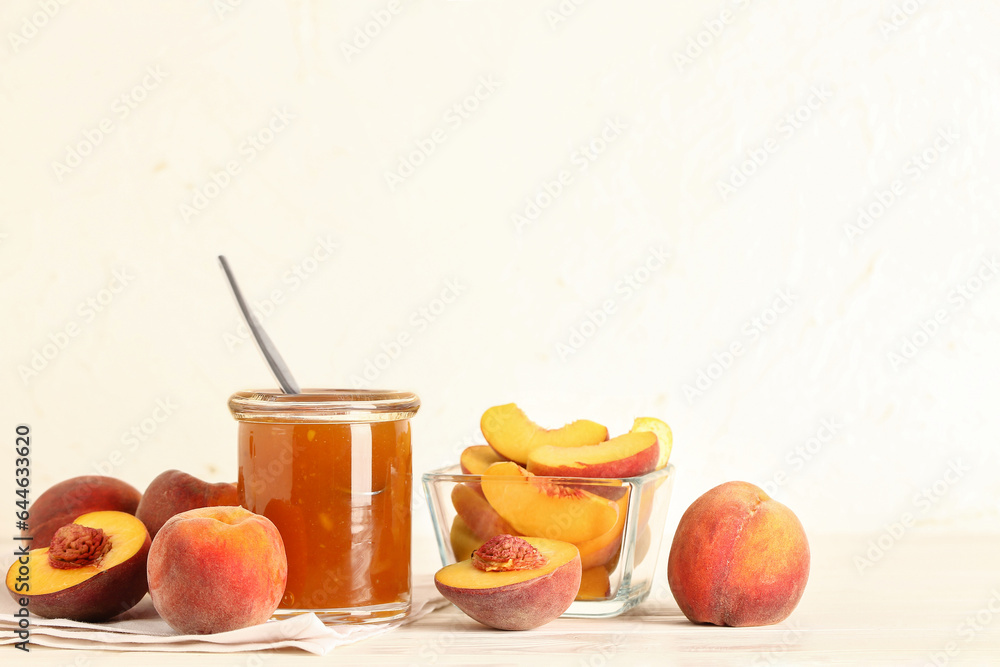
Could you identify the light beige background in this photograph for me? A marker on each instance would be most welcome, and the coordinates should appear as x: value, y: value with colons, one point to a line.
x: 114, y: 305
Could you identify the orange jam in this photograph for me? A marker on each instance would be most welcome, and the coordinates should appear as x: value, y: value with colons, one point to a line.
x: 338, y: 490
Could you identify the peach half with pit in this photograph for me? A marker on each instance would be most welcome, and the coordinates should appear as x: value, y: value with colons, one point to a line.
x: 514, y: 583
x: 513, y: 436
x: 172, y: 492
x: 65, y: 501
x: 738, y: 558
x: 214, y: 569
x: 93, y: 569
x: 542, y: 507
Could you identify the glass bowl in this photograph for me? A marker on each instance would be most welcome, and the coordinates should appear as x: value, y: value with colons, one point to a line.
x: 619, y: 563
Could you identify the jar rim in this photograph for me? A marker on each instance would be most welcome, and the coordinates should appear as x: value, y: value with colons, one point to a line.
x: 315, y: 405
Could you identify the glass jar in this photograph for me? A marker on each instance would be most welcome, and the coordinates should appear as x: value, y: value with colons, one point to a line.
x: 331, y: 468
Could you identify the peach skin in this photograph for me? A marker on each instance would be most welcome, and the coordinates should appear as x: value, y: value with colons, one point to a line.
x: 738, y: 558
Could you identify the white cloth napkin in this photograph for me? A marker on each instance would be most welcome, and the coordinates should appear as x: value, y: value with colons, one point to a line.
x: 142, y: 629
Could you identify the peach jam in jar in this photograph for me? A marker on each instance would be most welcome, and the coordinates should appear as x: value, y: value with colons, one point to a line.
x: 331, y: 469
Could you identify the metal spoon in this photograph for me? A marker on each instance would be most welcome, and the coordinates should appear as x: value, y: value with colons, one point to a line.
x: 264, y: 344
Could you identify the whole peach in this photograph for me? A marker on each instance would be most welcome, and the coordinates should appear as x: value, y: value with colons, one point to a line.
x: 172, y: 492
x: 738, y: 558
x: 215, y: 569
x: 65, y: 501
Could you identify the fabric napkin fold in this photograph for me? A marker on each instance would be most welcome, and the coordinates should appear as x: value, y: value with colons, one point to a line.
x: 142, y: 629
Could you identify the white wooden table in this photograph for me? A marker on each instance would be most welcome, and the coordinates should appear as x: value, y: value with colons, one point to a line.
x: 928, y: 595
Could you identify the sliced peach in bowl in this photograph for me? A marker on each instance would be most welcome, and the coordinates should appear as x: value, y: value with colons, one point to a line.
x: 93, y: 570
x: 663, y: 435
x: 514, y: 583
x: 476, y: 459
x: 478, y: 514
x: 595, y: 584
x: 542, y: 507
x: 463, y: 540
x: 600, y: 550
x: 514, y: 436
x: 629, y: 455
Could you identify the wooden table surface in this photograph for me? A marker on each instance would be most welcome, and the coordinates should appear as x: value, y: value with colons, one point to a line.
x: 929, y: 599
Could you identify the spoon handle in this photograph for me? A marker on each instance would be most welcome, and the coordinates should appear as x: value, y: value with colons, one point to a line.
x: 264, y: 344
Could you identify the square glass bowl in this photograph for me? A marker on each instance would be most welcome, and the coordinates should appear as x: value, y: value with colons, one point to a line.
x: 619, y: 564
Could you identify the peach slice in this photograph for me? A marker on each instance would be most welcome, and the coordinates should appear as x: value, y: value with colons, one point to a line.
x: 628, y: 455
x: 65, y: 501
x: 514, y: 583
x: 476, y: 459
x: 738, y: 558
x: 172, y: 492
x: 663, y: 435
x: 478, y: 514
x: 642, y: 545
x: 600, y: 550
x: 514, y: 436
x: 537, y: 506
x: 463, y: 540
x: 94, y: 569
x: 595, y: 584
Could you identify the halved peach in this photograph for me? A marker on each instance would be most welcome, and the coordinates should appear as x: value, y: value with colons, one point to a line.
x: 595, y: 584
x: 514, y: 583
x: 514, y: 436
x: 94, y: 569
x: 663, y: 434
x: 541, y: 507
x: 477, y: 458
x: 628, y: 455
x: 463, y: 540
x: 478, y: 514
